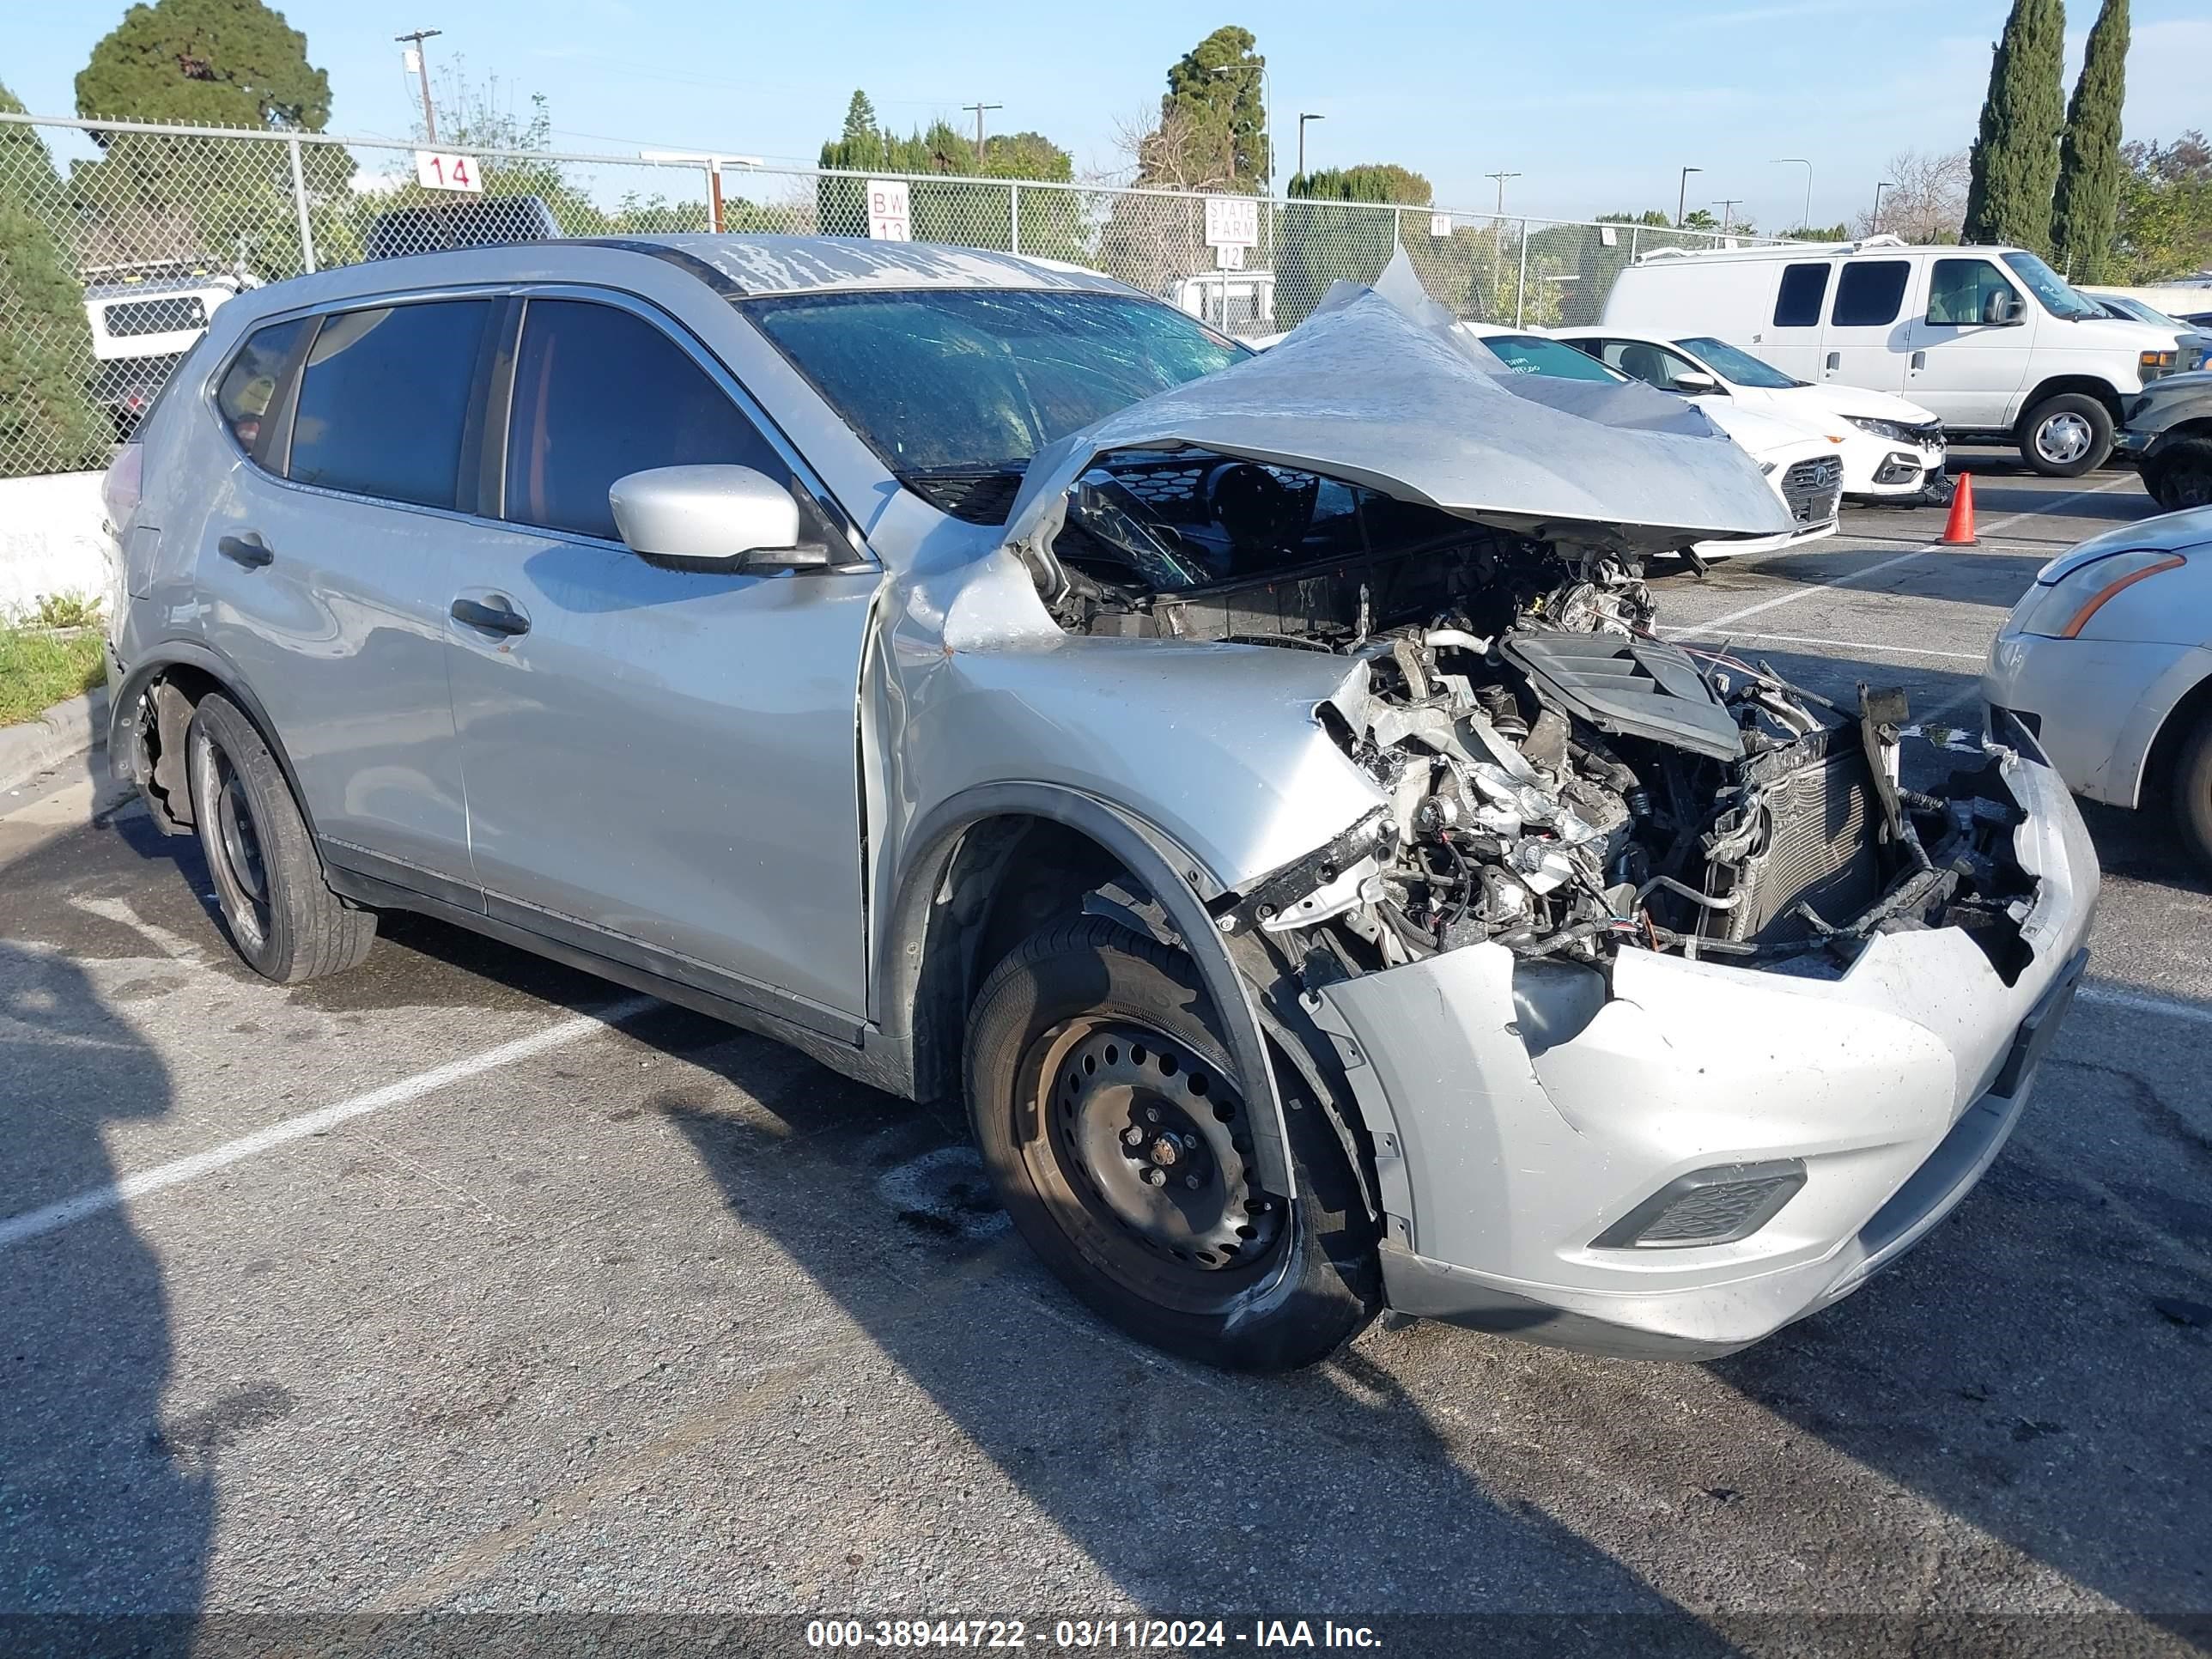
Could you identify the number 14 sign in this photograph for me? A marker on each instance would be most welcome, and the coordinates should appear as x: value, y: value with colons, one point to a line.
x: 436, y: 171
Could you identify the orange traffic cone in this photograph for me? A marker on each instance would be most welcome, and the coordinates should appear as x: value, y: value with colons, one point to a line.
x: 1959, y: 530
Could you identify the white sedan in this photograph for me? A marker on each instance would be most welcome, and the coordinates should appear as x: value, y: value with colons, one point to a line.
x: 1890, y: 447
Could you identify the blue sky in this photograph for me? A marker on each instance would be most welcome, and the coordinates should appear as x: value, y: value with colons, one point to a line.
x: 1595, y: 106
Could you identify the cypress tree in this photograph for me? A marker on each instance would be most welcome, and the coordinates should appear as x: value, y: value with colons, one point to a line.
x: 2015, y: 158
x: 2086, y: 209
x: 47, y: 422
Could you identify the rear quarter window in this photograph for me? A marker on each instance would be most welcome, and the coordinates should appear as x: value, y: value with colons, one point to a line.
x: 250, y: 385
x: 1797, y: 304
x: 384, y: 400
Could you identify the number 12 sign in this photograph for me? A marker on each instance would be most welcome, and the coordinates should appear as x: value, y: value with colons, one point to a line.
x: 436, y: 171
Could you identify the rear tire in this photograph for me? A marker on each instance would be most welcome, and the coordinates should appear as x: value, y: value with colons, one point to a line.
x: 2193, y: 792
x: 2181, y: 476
x: 283, y: 920
x: 1088, y: 1037
x: 2066, y: 435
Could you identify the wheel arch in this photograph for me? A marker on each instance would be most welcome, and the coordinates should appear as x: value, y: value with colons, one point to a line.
x: 2181, y: 722
x: 2088, y: 384
x: 981, y: 861
x: 145, y: 730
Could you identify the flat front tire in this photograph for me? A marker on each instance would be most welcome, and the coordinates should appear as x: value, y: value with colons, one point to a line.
x: 2066, y: 435
x: 1117, y: 1131
x: 280, y: 916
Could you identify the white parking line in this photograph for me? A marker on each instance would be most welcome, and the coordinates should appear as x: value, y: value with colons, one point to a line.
x: 2137, y: 1002
x: 1851, y: 577
x: 1841, y: 644
x: 97, y: 1200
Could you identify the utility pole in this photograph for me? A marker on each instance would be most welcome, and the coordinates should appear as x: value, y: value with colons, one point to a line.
x: 1805, y: 220
x: 979, y: 109
x: 1501, y: 178
x: 414, y: 43
x: 1727, y: 205
x: 1682, y: 195
x: 1303, y: 119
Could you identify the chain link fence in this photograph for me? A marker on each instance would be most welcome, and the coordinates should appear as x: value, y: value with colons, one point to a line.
x: 117, y: 239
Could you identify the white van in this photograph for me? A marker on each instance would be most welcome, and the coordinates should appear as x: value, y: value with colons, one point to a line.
x: 1991, y: 339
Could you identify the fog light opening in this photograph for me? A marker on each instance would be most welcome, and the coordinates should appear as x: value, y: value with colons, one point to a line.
x: 1720, y: 1205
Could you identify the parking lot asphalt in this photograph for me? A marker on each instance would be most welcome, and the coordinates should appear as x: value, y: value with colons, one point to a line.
x: 466, y: 1282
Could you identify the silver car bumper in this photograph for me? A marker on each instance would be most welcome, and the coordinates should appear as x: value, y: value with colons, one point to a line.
x: 1509, y: 1168
x: 2097, y: 705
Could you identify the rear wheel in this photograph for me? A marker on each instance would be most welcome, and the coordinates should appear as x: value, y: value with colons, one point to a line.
x: 1122, y: 1142
x: 283, y: 920
x: 2181, y: 476
x: 2066, y: 435
x: 2193, y: 792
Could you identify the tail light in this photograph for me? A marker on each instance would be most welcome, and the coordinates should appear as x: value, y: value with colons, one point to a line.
x: 120, y: 489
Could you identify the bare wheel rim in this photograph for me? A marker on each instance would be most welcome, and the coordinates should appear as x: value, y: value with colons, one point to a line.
x: 1147, y: 1148
x: 241, y: 875
x: 2064, y: 438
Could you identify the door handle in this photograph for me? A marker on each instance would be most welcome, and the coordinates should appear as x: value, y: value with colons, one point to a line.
x: 492, y: 618
x: 248, y: 550
x: 1835, y: 361
x: 1919, y: 360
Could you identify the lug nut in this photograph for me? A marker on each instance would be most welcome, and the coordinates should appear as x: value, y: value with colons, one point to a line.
x: 1133, y: 1136
x: 1155, y: 1178
x: 1190, y: 1143
x: 1151, y: 1115
x: 1191, y: 1182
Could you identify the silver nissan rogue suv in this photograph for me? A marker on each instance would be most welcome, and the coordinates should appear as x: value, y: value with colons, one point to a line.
x: 1255, y: 782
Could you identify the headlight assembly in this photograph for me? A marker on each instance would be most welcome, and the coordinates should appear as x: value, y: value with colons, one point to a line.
x: 1896, y: 431
x: 2061, y: 610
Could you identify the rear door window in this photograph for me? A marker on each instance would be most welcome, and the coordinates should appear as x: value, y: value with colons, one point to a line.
x: 599, y: 393
x: 251, y: 386
x: 384, y: 400
x: 1869, y: 293
x: 1803, y: 288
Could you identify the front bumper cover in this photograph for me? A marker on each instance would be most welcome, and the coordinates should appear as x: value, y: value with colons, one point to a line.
x: 1504, y: 1151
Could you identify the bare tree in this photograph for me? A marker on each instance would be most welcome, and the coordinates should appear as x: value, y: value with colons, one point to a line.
x: 1926, y: 201
x: 1175, y: 152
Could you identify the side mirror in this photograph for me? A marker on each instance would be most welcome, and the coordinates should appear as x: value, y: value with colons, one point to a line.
x: 1690, y: 384
x: 711, y: 518
x: 2002, y: 308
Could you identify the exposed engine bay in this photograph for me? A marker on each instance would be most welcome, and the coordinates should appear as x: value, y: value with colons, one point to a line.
x: 1557, y: 779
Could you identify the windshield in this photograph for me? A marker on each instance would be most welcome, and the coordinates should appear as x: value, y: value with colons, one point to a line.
x: 1738, y: 367
x: 2141, y: 313
x: 2048, y: 286
x: 1525, y: 354
x: 972, y: 380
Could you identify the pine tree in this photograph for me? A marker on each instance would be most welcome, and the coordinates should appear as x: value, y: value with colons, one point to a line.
x: 1215, y: 102
x: 2015, y: 157
x: 206, y: 62
x: 47, y: 423
x: 2086, y: 210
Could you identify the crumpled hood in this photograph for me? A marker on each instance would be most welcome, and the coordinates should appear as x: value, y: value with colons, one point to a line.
x: 1377, y: 388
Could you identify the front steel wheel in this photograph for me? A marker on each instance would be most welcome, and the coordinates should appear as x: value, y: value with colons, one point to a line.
x: 1121, y: 1143
x: 2067, y: 435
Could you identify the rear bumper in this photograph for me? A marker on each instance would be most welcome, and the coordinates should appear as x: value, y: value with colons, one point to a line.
x: 1510, y: 1148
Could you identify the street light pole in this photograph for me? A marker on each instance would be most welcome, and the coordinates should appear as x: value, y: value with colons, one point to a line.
x: 1886, y: 184
x: 1501, y: 178
x: 1727, y: 205
x: 1682, y: 195
x: 1303, y: 119
x: 422, y: 71
x: 1805, y: 220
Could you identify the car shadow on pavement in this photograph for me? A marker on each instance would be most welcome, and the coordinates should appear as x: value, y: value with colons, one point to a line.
x: 1195, y: 1492
x: 105, y: 1508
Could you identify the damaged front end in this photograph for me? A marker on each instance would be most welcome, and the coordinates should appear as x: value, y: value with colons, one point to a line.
x: 1571, y: 795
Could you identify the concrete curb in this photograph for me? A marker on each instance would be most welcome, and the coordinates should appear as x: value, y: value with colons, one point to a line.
x: 63, y: 731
